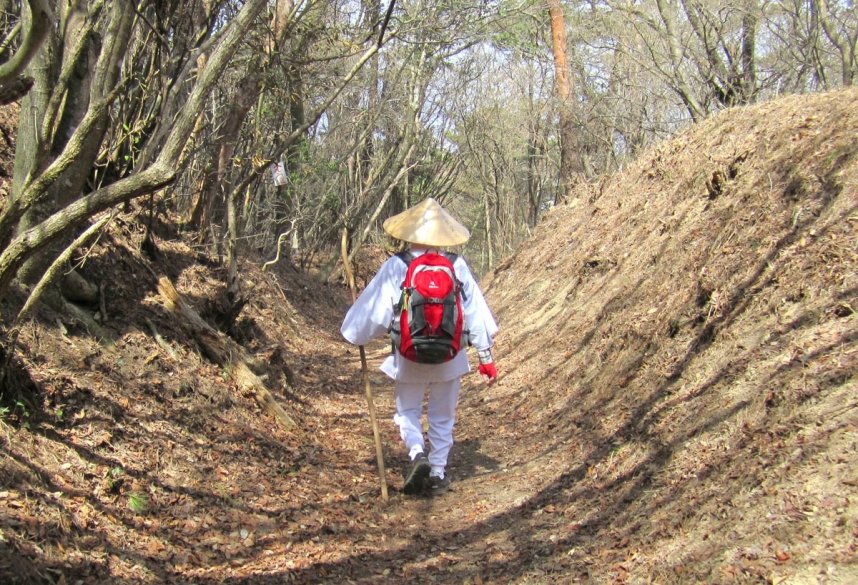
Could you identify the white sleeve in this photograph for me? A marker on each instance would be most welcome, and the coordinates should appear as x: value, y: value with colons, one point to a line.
x: 372, y: 312
x: 479, y: 320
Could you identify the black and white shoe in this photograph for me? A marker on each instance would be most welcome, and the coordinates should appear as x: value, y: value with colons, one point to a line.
x: 438, y: 485
x: 417, y: 476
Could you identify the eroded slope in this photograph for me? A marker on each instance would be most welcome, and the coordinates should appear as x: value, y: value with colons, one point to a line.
x: 681, y: 354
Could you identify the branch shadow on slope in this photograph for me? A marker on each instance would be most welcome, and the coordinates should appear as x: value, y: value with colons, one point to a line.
x: 624, y: 504
x: 627, y: 364
x: 616, y: 517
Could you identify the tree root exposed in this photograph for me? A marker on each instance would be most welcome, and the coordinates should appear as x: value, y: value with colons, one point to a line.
x: 223, y: 351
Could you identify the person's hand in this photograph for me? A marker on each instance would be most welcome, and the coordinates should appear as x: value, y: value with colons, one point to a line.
x: 489, y: 372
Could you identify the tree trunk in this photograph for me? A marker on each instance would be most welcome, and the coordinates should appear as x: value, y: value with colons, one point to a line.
x: 845, y: 44
x: 534, y: 153
x: 245, y: 98
x: 200, y: 16
x: 563, y: 91
x: 749, y: 52
x: 489, y: 236
x: 678, y: 83
x: 96, y: 71
x: 36, y: 24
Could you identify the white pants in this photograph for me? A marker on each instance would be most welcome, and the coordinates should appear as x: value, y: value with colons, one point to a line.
x: 443, y: 397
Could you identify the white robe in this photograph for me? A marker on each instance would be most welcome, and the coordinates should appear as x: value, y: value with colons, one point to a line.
x: 372, y: 313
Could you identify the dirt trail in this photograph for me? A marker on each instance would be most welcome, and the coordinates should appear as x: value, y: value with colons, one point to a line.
x: 455, y: 537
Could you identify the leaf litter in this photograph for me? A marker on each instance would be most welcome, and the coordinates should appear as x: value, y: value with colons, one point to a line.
x: 676, y: 405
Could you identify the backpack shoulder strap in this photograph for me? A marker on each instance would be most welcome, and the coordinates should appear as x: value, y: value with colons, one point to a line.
x: 452, y: 258
x: 405, y: 256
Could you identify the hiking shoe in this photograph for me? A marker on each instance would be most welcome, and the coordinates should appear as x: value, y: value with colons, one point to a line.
x: 418, y: 474
x: 438, y: 485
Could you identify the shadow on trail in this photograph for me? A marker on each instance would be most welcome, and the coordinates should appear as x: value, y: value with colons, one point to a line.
x: 522, y: 522
x: 601, y: 513
x: 469, y: 461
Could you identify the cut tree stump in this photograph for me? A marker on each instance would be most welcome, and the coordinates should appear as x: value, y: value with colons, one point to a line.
x: 223, y: 351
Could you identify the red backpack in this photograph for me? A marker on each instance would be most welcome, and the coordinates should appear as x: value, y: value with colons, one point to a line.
x: 428, y: 320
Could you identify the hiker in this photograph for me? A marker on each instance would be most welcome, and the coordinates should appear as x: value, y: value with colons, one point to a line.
x: 427, y: 229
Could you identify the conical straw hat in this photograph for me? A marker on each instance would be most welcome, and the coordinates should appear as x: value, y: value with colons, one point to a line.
x: 427, y: 224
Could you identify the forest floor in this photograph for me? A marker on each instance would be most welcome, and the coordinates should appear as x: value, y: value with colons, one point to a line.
x: 677, y: 400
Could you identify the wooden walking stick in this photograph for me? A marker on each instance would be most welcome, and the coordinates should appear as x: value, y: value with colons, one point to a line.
x: 365, y: 371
